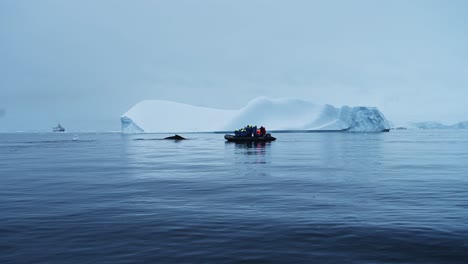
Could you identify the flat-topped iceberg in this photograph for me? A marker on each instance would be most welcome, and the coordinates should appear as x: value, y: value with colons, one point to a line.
x: 158, y: 116
x: 437, y: 125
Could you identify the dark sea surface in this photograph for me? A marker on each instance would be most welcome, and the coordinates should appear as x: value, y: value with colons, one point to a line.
x: 398, y: 197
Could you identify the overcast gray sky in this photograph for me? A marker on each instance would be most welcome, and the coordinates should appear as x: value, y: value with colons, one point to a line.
x: 84, y: 63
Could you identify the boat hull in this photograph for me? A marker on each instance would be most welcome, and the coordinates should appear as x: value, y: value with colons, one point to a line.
x: 232, y: 138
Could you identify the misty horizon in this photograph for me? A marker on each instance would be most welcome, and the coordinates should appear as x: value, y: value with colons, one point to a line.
x: 86, y: 63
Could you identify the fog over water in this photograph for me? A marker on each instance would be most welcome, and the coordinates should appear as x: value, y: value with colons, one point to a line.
x: 85, y: 63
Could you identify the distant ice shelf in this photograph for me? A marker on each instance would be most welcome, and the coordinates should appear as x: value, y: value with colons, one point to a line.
x: 437, y: 125
x: 158, y: 116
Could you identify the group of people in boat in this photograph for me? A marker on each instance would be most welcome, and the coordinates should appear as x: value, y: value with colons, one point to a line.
x: 250, y: 131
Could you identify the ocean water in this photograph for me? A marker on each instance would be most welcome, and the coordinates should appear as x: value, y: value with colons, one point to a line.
x: 398, y: 197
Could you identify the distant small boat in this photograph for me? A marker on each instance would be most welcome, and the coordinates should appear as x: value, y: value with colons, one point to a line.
x: 59, y: 128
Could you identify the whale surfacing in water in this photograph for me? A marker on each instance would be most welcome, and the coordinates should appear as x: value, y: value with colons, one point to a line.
x: 175, y: 137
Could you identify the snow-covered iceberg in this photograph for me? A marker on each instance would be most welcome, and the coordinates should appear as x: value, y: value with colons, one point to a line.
x: 152, y: 116
x: 438, y: 125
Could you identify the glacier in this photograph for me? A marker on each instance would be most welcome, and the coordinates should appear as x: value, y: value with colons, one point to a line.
x: 159, y: 116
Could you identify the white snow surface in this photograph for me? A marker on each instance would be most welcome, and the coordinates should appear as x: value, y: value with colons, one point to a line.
x: 158, y: 116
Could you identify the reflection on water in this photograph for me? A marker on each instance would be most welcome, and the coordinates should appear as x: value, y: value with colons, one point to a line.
x: 249, y: 152
x: 249, y: 148
x: 248, y: 144
x: 398, y: 197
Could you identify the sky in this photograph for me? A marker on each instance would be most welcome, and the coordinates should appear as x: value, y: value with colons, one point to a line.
x: 85, y: 63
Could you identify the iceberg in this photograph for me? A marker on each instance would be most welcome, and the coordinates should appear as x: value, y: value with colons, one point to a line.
x: 460, y: 125
x: 428, y: 125
x: 438, y: 125
x: 159, y: 116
